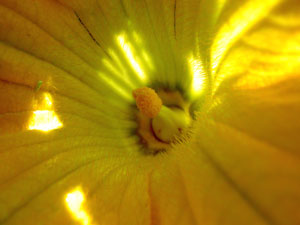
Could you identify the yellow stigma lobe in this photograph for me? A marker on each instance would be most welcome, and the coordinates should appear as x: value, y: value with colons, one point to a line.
x: 147, y: 101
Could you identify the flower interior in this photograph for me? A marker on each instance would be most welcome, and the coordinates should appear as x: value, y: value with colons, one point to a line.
x: 163, y: 118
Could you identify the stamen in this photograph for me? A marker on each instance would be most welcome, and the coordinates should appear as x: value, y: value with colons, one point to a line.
x: 147, y: 101
x: 160, y: 125
x: 170, y: 123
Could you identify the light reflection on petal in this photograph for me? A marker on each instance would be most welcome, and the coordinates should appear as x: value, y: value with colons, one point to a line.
x: 196, y: 67
x: 48, y: 100
x: 44, y: 118
x: 134, y: 65
x: 74, y: 201
x: 236, y: 26
x: 127, y: 49
x: 145, y: 57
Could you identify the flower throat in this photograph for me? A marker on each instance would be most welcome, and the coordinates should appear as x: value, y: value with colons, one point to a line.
x: 163, y: 118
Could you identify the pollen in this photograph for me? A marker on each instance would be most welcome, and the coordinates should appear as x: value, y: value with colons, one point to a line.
x: 147, y: 101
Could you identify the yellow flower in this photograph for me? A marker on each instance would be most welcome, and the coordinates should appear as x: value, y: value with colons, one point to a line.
x: 74, y: 149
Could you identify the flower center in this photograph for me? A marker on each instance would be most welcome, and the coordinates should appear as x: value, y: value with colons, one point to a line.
x: 163, y: 118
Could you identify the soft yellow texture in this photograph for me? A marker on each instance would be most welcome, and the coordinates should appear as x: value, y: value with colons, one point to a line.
x: 241, y: 165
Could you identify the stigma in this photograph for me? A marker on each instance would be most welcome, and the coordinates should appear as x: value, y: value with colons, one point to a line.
x: 162, y: 117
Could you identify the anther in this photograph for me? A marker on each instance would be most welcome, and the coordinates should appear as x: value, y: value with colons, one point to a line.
x: 166, y: 123
x: 147, y: 101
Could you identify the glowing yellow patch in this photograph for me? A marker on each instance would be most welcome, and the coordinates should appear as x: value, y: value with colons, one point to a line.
x: 74, y: 201
x: 237, y: 25
x: 127, y: 49
x: 48, y: 100
x: 144, y: 56
x: 196, y: 68
x: 45, y: 118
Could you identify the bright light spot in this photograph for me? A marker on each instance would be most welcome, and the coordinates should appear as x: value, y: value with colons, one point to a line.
x: 126, y: 47
x: 74, y: 201
x: 48, y: 100
x: 44, y: 120
x: 196, y: 68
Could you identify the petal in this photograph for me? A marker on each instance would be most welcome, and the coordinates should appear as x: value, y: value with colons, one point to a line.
x: 267, y: 54
x: 235, y: 19
x: 38, y: 169
x: 233, y: 178
x: 260, y: 93
x: 247, y: 139
x: 242, y: 166
x: 89, y: 55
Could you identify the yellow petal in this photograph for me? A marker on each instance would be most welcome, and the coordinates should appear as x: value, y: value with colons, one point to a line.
x: 242, y: 165
x: 233, y: 178
x: 267, y: 54
x: 236, y: 18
